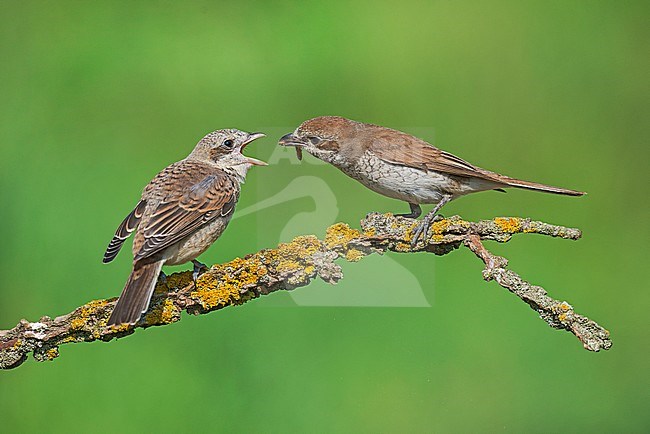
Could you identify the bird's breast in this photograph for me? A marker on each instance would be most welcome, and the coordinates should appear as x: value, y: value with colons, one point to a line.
x: 198, y: 242
x: 401, y: 182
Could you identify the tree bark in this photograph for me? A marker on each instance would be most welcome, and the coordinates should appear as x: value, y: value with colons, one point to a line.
x: 296, y: 264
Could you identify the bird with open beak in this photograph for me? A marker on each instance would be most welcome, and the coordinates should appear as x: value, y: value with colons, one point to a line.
x: 400, y: 166
x: 182, y: 211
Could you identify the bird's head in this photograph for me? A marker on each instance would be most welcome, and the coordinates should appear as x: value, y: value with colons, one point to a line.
x: 323, y: 137
x: 224, y: 148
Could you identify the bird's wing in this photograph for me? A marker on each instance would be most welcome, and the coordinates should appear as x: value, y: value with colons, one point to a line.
x: 123, y: 231
x: 190, y: 198
x: 405, y: 150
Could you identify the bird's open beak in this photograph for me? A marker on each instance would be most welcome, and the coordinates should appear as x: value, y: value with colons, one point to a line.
x: 251, y: 137
x: 291, y: 140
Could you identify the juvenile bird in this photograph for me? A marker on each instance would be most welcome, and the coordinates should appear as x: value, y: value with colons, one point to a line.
x: 399, y: 165
x: 182, y: 211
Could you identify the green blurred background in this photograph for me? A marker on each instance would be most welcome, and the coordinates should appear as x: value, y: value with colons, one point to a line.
x: 99, y: 96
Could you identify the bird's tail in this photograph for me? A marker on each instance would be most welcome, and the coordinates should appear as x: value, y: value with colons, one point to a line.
x: 135, y: 297
x: 520, y: 183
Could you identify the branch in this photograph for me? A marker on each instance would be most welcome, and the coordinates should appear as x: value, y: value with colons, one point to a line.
x: 296, y: 264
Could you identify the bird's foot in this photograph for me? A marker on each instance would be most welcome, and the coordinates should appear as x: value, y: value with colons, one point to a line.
x: 422, y: 229
x: 198, y: 269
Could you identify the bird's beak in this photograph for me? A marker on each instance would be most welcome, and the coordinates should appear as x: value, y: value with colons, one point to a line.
x: 251, y: 137
x: 256, y: 162
x: 291, y: 140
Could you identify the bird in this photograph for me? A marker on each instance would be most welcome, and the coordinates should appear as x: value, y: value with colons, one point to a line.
x: 400, y: 166
x: 181, y: 212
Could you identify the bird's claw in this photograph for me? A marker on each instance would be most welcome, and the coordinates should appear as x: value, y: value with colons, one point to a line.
x: 198, y: 269
x: 422, y: 229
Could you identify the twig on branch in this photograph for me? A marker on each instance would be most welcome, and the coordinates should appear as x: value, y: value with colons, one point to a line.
x: 295, y: 264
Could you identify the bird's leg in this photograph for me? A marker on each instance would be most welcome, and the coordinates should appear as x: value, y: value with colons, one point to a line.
x: 423, y: 227
x: 416, y: 212
x: 198, y: 269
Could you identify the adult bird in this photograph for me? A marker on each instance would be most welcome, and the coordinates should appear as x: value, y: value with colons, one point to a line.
x: 399, y: 165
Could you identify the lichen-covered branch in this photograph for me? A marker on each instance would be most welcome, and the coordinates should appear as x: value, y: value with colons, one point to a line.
x: 558, y: 314
x: 295, y: 264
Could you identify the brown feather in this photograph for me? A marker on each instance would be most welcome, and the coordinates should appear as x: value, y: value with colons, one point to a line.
x: 135, y: 297
x: 124, y: 230
x: 403, y: 149
x: 189, y: 195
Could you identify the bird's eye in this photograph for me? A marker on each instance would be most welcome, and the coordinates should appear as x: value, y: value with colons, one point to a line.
x: 228, y: 143
x: 313, y: 140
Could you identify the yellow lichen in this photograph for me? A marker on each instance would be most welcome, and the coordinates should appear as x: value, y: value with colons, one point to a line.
x: 508, y: 225
x: 354, y: 255
x: 340, y: 235
x: 408, y: 235
x: 85, y: 312
x: 292, y: 255
x: 120, y: 327
x: 440, y: 226
x: 221, y: 291
x: 225, y: 283
x: 52, y: 353
x: 370, y: 232
x: 438, y: 229
x: 562, y: 317
x: 531, y: 228
x: 402, y: 247
x: 165, y: 313
x: 173, y: 281
x: 168, y: 311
